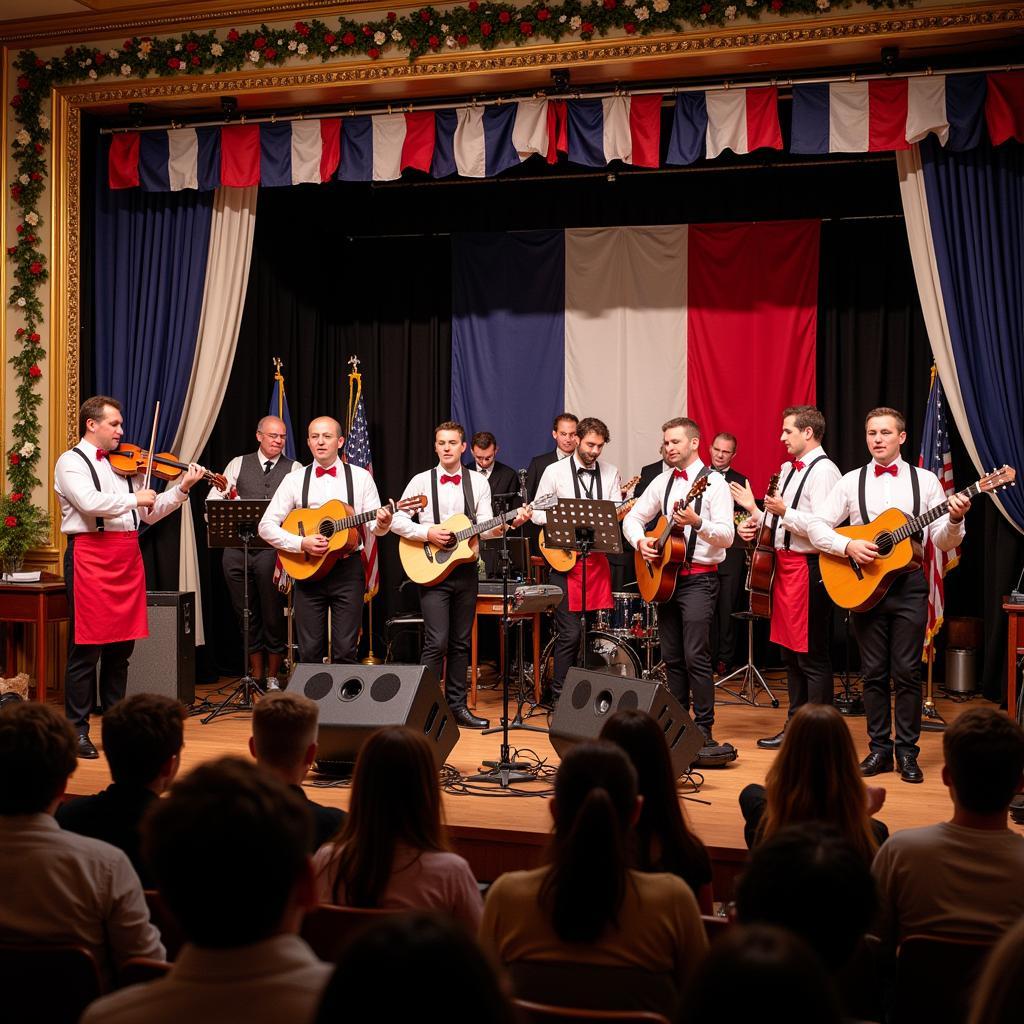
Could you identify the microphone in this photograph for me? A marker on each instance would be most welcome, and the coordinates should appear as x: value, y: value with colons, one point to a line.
x: 522, y: 484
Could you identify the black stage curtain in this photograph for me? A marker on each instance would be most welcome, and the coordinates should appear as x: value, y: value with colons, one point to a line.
x: 353, y: 268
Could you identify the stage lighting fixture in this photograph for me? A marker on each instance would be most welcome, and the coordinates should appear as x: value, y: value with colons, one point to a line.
x: 137, y: 113
x: 559, y: 81
x: 228, y: 107
x: 890, y: 57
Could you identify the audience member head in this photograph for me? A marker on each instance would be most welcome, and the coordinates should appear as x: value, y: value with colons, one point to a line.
x: 1000, y: 993
x: 811, y: 881
x: 984, y: 752
x: 779, y: 979
x: 396, y: 800
x: 594, y: 809
x: 37, y: 756
x: 386, y: 972
x: 224, y: 815
x: 662, y: 824
x: 816, y: 778
x: 142, y: 738
x: 284, y: 734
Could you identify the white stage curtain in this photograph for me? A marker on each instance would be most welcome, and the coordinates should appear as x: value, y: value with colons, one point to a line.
x: 922, y: 252
x: 227, y: 275
x: 626, y: 288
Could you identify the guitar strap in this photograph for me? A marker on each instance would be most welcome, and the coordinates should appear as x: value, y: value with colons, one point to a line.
x: 596, y: 485
x: 698, y: 503
x: 468, y: 500
x: 796, y: 498
x: 915, y: 487
x: 349, y: 490
x: 96, y: 480
x: 782, y: 494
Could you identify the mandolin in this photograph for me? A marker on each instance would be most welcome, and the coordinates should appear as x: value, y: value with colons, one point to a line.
x: 340, y: 524
x: 656, y: 579
x: 860, y: 587
x: 564, y: 559
x: 761, y: 573
x: 426, y: 563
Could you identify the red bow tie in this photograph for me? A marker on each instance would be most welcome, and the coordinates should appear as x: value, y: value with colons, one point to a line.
x: 457, y: 479
x: 101, y: 454
x: 798, y: 465
x: 320, y: 471
x: 882, y: 470
x: 680, y: 473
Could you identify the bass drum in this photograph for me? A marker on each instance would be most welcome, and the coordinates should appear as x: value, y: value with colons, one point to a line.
x: 605, y: 653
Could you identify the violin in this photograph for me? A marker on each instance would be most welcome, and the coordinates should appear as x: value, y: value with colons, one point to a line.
x: 130, y: 459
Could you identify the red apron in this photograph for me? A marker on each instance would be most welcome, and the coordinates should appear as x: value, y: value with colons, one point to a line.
x: 109, y: 588
x: 790, y: 601
x: 599, y: 584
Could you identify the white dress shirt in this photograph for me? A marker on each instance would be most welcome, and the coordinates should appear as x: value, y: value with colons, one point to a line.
x: 716, y: 528
x: 322, y: 489
x: 81, y: 503
x: 880, y: 493
x: 818, y: 487
x: 450, y: 500
x: 234, y: 467
x: 557, y: 479
x: 60, y: 887
x: 485, y: 473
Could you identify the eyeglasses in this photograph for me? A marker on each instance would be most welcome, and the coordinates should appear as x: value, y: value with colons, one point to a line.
x: 273, y: 437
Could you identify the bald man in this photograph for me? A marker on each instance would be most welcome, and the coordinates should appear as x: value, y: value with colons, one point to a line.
x: 340, y: 592
x: 258, y: 475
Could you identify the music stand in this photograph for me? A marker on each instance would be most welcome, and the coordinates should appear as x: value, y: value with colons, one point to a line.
x: 584, y: 525
x: 233, y: 524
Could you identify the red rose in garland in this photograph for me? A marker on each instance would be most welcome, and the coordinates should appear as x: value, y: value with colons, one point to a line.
x: 11, y: 522
x: 543, y: 14
x: 486, y: 28
x: 15, y: 459
x: 233, y: 36
x: 373, y: 53
x: 504, y: 17
x: 526, y: 28
x: 34, y: 371
x: 16, y: 496
x: 259, y: 42
x: 462, y: 39
x: 348, y: 38
x: 35, y: 267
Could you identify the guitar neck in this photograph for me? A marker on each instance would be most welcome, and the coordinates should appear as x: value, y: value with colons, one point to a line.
x: 357, y: 520
x: 918, y: 523
x: 487, y: 524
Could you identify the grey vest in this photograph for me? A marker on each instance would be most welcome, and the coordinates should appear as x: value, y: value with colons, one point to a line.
x: 254, y: 483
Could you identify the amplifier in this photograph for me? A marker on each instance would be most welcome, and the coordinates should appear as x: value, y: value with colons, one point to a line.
x: 165, y: 662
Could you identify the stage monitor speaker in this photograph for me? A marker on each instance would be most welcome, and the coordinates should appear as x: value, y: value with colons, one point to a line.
x: 589, y: 699
x: 165, y: 662
x: 356, y: 700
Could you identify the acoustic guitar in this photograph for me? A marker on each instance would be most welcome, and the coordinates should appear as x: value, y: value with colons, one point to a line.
x: 426, y: 563
x: 761, y: 573
x: 564, y: 559
x: 860, y: 587
x: 340, y: 524
x: 656, y: 579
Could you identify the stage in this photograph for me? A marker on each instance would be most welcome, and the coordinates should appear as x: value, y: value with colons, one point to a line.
x: 498, y: 832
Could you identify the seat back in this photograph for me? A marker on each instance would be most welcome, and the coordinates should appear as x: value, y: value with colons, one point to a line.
x: 540, y: 1013
x: 47, y: 983
x: 935, y: 978
x: 714, y: 926
x: 141, y: 969
x: 328, y: 929
x: 170, y: 934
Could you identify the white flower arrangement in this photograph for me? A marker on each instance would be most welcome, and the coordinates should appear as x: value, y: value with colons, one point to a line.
x: 379, y: 38
x: 217, y: 50
x: 32, y: 218
x: 642, y: 14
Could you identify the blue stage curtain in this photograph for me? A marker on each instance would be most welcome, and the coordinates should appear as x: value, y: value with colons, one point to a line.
x: 976, y: 210
x: 150, y: 270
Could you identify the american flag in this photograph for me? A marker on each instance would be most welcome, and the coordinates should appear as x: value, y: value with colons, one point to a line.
x: 357, y: 449
x: 936, y: 457
x: 279, y: 408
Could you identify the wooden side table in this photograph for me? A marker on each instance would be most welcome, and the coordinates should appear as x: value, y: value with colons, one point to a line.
x: 1014, y: 649
x: 489, y: 604
x: 38, y: 604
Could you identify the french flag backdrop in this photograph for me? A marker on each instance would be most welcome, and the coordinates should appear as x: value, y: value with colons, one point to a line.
x: 635, y: 326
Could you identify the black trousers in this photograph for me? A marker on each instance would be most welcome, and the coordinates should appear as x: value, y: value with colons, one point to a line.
x: 80, y: 674
x: 267, y: 628
x: 732, y: 575
x: 684, y: 628
x: 449, y: 608
x: 809, y: 674
x: 338, y: 594
x: 567, y: 641
x: 891, y: 637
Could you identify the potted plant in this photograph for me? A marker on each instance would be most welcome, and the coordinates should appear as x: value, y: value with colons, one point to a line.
x: 23, y: 526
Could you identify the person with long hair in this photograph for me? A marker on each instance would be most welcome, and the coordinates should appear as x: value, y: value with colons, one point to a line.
x: 663, y: 840
x: 587, y: 929
x: 391, y: 851
x: 815, y: 778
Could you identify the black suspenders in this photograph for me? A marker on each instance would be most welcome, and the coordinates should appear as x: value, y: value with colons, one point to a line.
x: 100, y: 527
x: 348, y: 485
x: 468, y: 498
x: 915, y: 488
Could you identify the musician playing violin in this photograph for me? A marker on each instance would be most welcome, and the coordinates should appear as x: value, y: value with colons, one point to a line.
x: 106, y: 584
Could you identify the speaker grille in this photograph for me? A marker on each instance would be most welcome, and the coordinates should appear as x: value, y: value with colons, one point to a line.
x: 318, y: 686
x: 629, y: 701
x: 581, y: 694
x: 385, y: 688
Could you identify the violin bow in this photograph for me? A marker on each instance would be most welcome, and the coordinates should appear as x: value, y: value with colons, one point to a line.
x: 152, y: 445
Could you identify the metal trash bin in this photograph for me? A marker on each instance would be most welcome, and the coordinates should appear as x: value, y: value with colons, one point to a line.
x: 961, y: 670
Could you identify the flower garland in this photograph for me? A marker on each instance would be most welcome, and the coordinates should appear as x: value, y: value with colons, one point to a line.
x: 418, y: 32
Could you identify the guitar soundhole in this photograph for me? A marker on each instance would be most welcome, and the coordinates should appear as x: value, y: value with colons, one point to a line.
x: 326, y: 528
x: 885, y: 544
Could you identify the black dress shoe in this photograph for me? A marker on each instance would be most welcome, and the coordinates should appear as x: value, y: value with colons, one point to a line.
x: 85, y: 747
x: 910, y: 770
x: 772, y: 742
x: 466, y: 718
x: 876, y: 763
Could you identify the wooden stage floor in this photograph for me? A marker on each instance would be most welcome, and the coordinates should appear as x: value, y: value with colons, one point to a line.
x: 498, y: 832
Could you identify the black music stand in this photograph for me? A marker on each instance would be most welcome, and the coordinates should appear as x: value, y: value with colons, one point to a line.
x: 584, y: 525
x: 233, y: 524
